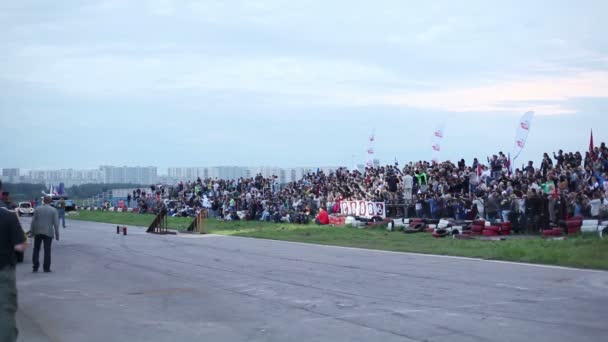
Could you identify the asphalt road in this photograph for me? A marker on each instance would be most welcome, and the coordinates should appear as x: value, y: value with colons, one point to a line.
x: 141, y: 287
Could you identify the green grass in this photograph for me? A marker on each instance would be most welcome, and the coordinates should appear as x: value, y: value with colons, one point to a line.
x: 586, y: 251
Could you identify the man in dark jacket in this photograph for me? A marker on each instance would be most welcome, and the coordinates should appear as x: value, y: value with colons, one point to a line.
x: 11, y: 239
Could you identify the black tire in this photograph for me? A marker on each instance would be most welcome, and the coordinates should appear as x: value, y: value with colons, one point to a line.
x: 441, y: 232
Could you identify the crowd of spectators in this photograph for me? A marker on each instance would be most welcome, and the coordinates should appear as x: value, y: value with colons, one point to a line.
x: 531, y: 197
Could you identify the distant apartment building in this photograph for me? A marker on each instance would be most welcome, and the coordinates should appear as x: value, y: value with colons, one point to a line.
x: 129, y: 174
x: 105, y: 174
x: 187, y: 173
x: 10, y: 172
x: 11, y: 175
x: 67, y: 176
x: 222, y: 172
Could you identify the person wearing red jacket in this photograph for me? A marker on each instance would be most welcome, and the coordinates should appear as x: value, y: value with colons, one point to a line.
x: 322, y: 218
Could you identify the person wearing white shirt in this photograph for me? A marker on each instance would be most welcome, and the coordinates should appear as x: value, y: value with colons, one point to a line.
x: 408, y: 185
x: 595, y: 206
x: 480, y: 206
x: 486, y: 175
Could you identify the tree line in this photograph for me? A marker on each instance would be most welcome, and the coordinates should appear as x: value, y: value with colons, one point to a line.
x: 27, y: 191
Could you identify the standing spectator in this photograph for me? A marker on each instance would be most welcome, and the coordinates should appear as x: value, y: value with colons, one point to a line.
x: 492, y: 206
x: 461, y: 165
x: 392, y: 180
x: 421, y: 180
x: 520, y: 208
x: 420, y: 207
x: 408, y: 185
x: 11, y: 239
x: 595, y: 204
x: 61, y: 211
x: 559, y: 158
x: 550, y: 193
x: 533, y: 208
x: 45, y: 225
x: 505, y: 206
x: 529, y: 170
x: 546, y: 164
x: 2, y: 203
x: 496, y: 164
x: 479, y: 203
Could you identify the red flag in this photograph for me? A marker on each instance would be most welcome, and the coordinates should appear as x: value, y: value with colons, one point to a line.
x: 479, y: 170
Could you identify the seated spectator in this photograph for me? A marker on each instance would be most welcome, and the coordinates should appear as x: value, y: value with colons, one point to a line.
x: 322, y: 218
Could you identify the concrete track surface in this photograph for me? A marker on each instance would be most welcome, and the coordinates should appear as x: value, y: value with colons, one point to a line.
x: 142, y: 287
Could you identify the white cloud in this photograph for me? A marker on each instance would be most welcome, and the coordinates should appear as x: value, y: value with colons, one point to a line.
x: 117, y: 71
x: 93, y: 72
x: 546, y: 96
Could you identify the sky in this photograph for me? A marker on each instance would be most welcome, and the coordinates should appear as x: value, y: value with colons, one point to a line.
x: 296, y: 83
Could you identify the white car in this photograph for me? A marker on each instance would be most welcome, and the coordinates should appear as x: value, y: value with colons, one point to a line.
x: 24, y: 208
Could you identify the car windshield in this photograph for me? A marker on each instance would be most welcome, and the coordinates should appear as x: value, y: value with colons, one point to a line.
x: 25, y: 205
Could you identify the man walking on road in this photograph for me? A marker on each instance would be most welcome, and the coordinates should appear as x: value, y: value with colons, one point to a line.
x: 11, y: 240
x: 45, y: 225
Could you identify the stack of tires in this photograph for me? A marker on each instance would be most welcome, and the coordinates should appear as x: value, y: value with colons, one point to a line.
x: 505, y: 228
x: 553, y: 231
x: 571, y: 226
x: 477, y: 227
x: 558, y: 231
x: 590, y: 226
x: 603, y: 229
x: 491, y: 230
x: 443, y: 229
x: 431, y: 225
x: 397, y: 224
x: 377, y: 221
x: 465, y: 230
x: 440, y: 233
x: 415, y: 225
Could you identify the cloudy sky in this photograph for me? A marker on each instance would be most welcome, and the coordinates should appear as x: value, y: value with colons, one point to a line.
x: 295, y: 83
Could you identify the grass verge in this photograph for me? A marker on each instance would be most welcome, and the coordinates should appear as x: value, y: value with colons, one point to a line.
x: 586, y: 251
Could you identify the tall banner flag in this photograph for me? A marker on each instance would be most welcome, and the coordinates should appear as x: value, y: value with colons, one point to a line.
x: 370, y: 149
x: 438, y: 134
x: 521, y: 133
x: 591, y: 147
